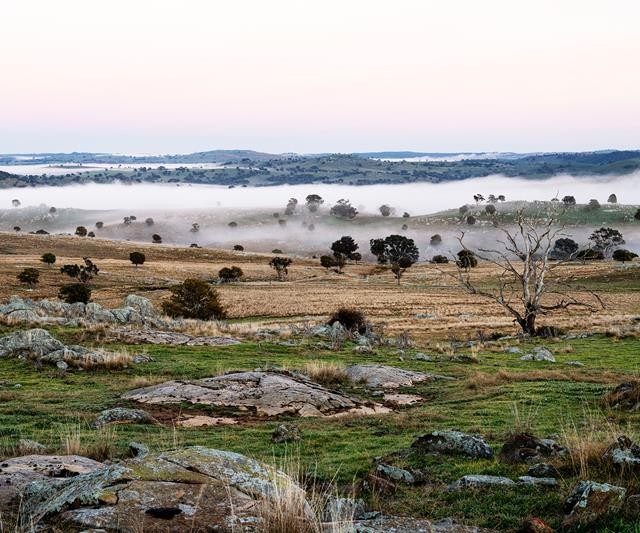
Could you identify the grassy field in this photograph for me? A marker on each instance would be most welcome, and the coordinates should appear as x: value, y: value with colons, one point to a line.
x: 495, y: 394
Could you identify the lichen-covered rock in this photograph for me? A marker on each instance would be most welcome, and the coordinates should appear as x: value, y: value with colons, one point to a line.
x: 155, y: 336
x: 393, y: 473
x: 624, y: 453
x: 267, y: 393
x: 479, y: 481
x: 525, y: 448
x: 549, y: 482
x: 191, y: 489
x: 123, y: 415
x: 625, y: 396
x: 17, y: 473
x: 140, y: 304
x: 343, y: 510
x: 589, y: 501
x: 453, y: 443
x: 96, y: 313
x: 539, y: 353
x: 127, y: 315
x: 387, y: 376
x: 29, y: 343
x: 286, y: 433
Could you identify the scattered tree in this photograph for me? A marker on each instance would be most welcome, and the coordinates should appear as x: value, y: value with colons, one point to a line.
x: 238, y: 247
x: 440, y: 259
x: 15, y: 202
x: 623, y: 255
x: 502, y: 198
x: 127, y: 221
x: 605, y: 239
x: 291, y: 206
x: 589, y: 254
x: 194, y: 298
x: 29, y: 276
x: 313, y: 202
x: 328, y: 261
x: 81, y: 231
x: 406, y: 215
x: 385, y: 210
x: 74, y: 293
x: 478, y: 198
x: 83, y: 273
x: 276, y: 251
x: 593, y: 204
x: 53, y: 210
x: 195, y: 227
x: 17, y: 228
x: 471, y: 220
x: 466, y: 260
x: 568, y: 201
x: 137, y: 258
x: 48, y: 258
x: 156, y: 239
x: 490, y: 209
x: 613, y: 199
x: 526, y: 290
x: 149, y: 221
x: 463, y: 209
x: 344, y: 209
x: 232, y: 224
x: 99, y: 225
x: 343, y: 250
x: 564, y: 248
x: 91, y: 234
x: 229, y: 274
x: 396, y: 250
x: 281, y: 266
x: 436, y: 240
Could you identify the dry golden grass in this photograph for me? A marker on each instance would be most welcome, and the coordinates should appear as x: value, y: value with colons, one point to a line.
x: 310, y: 294
x: 107, y: 360
x: 325, y: 372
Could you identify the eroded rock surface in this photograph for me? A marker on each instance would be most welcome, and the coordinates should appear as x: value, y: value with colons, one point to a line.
x: 267, y: 393
x: 400, y: 524
x: 17, y: 473
x: 123, y: 415
x: 39, y: 345
x: 156, y: 336
x: 453, y: 443
x: 192, y: 489
x: 589, y: 501
x: 387, y: 376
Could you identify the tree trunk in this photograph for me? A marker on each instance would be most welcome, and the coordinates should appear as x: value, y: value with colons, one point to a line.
x: 528, y: 323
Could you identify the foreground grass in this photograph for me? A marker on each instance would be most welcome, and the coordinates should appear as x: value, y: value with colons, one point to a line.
x: 495, y: 396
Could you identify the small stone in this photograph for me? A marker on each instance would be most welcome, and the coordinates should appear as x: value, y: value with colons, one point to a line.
x: 478, y: 481
x: 543, y: 470
x: 453, y: 443
x: 395, y: 474
x: 62, y: 365
x: 539, y: 353
x: 286, y: 433
x: 343, y: 510
x: 138, y: 450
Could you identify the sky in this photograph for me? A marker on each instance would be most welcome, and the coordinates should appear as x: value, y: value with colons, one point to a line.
x: 310, y: 76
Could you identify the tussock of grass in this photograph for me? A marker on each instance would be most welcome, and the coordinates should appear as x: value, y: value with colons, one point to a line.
x: 325, y: 373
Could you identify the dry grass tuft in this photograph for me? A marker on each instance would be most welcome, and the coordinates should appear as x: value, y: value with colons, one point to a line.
x: 71, y: 440
x: 325, y: 373
x: 102, y: 359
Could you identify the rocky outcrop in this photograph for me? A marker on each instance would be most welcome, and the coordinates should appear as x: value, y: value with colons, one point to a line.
x: 453, y: 443
x: 17, y: 473
x: 625, y: 396
x: 156, y: 336
x: 136, y: 310
x: 525, y: 448
x: 192, y: 489
x: 539, y: 353
x: 387, y: 376
x: 589, y: 501
x: 266, y: 393
x: 40, y: 346
x: 122, y: 415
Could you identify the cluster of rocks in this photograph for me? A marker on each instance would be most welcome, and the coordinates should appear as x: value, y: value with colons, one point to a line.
x: 267, y: 393
x: 135, y: 310
x: 38, y: 345
x: 539, y: 353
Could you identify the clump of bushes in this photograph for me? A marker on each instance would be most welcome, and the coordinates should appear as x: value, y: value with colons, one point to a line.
x: 351, y: 319
x: 48, y: 258
x: 137, y: 258
x: 229, y: 274
x: 74, y: 293
x: 29, y: 276
x: 440, y: 259
x: 194, y: 298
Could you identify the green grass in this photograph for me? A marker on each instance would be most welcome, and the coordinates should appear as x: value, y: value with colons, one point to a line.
x: 49, y: 402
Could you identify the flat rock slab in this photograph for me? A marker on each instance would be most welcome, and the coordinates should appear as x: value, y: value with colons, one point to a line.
x: 16, y: 473
x: 387, y: 376
x: 401, y: 524
x: 266, y: 393
x: 190, y: 489
x: 174, y: 338
x: 401, y: 400
x: 205, y: 421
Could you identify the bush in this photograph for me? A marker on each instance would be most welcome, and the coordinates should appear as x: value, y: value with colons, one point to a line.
x: 137, y: 258
x: 74, y: 293
x: 48, y: 258
x: 99, y: 225
x: 281, y: 266
x: 29, y: 276
x: 276, y: 251
x: 328, y: 261
x: 436, y: 240
x: 156, y: 239
x: 81, y: 231
x: 194, y: 298
x: 238, y: 247
x: 623, y: 255
x: 440, y: 259
x: 350, y: 319
x: 467, y: 260
x: 228, y: 274
x: 589, y: 254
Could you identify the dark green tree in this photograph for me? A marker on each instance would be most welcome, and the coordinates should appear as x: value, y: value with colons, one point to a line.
x: 194, y: 298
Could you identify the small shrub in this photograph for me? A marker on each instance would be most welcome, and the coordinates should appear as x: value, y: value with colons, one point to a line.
x: 238, y: 247
x: 623, y: 255
x: 29, y: 276
x: 48, y: 258
x: 137, y: 258
x: 156, y: 239
x: 589, y: 254
x: 440, y: 259
x: 194, y: 298
x: 81, y: 231
x: 276, y: 251
x: 281, y: 266
x: 467, y: 260
x: 351, y: 319
x: 74, y: 293
x: 228, y: 274
x: 326, y: 373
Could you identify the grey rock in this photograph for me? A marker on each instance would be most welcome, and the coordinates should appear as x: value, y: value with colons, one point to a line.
x: 624, y: 452
x: 539, y: 353
x: 574, y: 363
x: 426, y: 316
x: 479, y: 481
x: 589, y: 501
x: 453, y: 443
x: 513, y: 349
x: 286, y: 433
x: 31, y: 343
x: 341, y: 510
x: 28, y: 446
x: 543, y: 470
x: 140, y: 304
x: 538, y: 481
x: 395, y: 474
x: 387, y: 376
x: 267, y: 393
x: 138, y: 450
x: 401, y: 524
x: 526, y: 448
x: 123, y: 415
x: 184, y: 490
x: 422, y: 357
x: 62, y: 365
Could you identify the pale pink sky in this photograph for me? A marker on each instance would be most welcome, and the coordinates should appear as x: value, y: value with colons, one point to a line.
x: 140, y: 76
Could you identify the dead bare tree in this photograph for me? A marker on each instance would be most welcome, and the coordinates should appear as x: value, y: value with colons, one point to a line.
x: 526, y: 287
